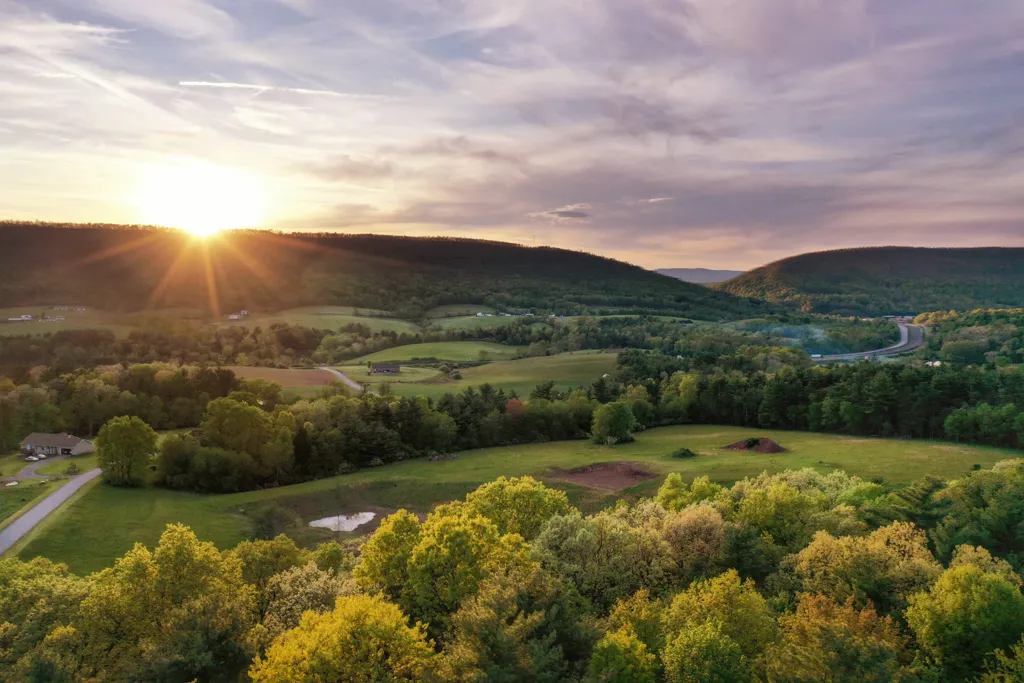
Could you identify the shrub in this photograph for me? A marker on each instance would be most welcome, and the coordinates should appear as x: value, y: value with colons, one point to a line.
x: 72, y: 469
x: 752, y: 442
x: 683, y: 453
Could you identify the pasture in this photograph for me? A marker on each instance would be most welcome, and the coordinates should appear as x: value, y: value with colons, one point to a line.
x: 457, y: 310
x: 454, y: 351
x: 89, y: 319
x: 105, y: 522
x: 473, y: 323
x: 301, y: 382
x: 567, y: 370
x: 326, y: 318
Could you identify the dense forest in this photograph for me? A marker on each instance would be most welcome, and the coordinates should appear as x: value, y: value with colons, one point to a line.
x: 979, y: 336
x: 889, y: 280
x: 796, y: 577
x: 128, y: 269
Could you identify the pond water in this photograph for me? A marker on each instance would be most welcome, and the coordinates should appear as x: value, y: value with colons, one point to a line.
x: 344, y: 522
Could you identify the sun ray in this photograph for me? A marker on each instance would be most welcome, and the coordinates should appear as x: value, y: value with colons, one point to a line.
x: 165, y: 281
x: 211, y: 280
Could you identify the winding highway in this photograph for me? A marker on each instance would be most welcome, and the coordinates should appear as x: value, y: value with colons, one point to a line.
x: 911, y: 339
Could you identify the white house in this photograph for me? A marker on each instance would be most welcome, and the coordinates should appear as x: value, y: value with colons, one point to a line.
x: 55, y: 444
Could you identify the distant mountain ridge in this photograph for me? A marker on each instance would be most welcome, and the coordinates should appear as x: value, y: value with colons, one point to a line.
x: 889, y: 280
x: 131, y: 268
x: 701, y: 276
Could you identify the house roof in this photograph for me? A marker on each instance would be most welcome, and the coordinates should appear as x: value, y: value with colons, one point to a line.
x: 55, y: 440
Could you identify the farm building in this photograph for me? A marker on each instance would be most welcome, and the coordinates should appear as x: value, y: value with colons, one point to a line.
x: 20, y: 319
x: 55, y: 444
x: 385, y: 369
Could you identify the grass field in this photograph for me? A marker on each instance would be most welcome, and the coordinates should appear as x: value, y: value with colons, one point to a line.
x: 409, y: 377
x: 89, y: 319
x: 106, y: 522
x: 16, y: 499
x: 453, y: 310
x: 474, y: 323
x: 567, y: 370
x: 457, y: 351
x: 11, y: 464
x: 304, y: 383
x: 326, y: 317
x: 84, y: 462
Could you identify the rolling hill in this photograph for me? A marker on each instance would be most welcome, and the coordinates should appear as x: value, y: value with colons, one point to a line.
x: 889, y: 280
x: 701, y: 276
x: 128, y: 268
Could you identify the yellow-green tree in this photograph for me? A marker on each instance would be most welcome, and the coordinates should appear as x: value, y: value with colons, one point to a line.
x: 384, y: 559
x: 826, y: 641
x: 124, y: 445
x: 735, y: 606
x: 365, y: 639
x: 621, y: 657
x: 518, y: 505
x: 704, y: 654
x: 967, y: 614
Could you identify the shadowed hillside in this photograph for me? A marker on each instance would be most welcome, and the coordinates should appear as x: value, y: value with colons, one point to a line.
x: 889, y: 280
x: 133, y: 268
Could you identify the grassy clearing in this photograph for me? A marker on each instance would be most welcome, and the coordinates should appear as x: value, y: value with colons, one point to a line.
x: 409, y: 377
x: 288, y: 378
x: 89, y: 319
x: 84, y: 462
x: 456, y: 351
x: 14, y: 500
x: 105, y: 522
x: 457, y: 310
x: 567, y: 370
x: 11, y: 464
x: 327, y: 317
x: 474, y: 323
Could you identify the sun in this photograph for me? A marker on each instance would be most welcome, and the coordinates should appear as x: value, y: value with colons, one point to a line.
x: 201, y: 198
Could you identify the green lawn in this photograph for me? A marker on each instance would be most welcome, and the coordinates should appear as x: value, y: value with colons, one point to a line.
x: 11, y: 464
x: 106, y: 522
x: 84, y: 462
x: 327, y: 317
x: 474, y: 323
x: 456, y: 351
x: 456, y: 310
x: 567, y: 370
x: 89, y: 319
x: 15, y: 499
x: 410, y: 376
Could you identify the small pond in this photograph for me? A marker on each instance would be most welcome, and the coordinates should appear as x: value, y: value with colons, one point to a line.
x: 344, y: 522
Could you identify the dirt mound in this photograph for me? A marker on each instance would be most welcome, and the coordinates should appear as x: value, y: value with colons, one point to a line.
x: 757, y: 446
x: 611, y: 476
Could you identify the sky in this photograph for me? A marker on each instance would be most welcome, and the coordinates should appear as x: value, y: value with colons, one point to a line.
x: 667, y: 133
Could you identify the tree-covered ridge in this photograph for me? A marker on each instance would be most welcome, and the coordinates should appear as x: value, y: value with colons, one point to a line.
x: 787, y: 578
x: 134, y: 268
x: 889, y: 280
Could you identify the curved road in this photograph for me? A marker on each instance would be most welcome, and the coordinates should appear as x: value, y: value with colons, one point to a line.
x: 911, y: 338
x: 344, y: 378
x: 24, y: 524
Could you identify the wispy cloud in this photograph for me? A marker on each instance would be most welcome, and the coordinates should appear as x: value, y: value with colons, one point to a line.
x: 669, y: 133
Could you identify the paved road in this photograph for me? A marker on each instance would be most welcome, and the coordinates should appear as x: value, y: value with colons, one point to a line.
x: 344, y: 378
x: 911, y: 338
x: 24, y: 524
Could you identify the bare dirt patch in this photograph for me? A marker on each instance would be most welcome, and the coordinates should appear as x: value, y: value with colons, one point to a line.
x: 611, y: 476
x: 762, y: 446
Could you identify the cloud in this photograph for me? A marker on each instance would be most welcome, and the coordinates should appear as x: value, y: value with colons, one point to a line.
x: 660, y: 130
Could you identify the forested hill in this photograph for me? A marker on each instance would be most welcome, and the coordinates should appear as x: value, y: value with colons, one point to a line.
x: 133, y: 268
x: 889, y: 280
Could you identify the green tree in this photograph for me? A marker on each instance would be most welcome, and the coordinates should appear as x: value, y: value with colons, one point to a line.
x: 1005, y: 667
x: 704, y: 654
x: 124, y: 446
x: 641, y: 616
x: 262, y: 560
x: 292, y: 593
x: 518, y: 505
x: 734, y: 606
x: 363, y: 640
x: 967, y: 614
x: 621, y: 657
x: 614, y: 423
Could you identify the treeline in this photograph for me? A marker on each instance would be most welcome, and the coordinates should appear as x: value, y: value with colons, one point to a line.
x: 994, y: 336
x: 905, y: 400
x: 164, y: 396
x: 131, y: 268
x: 784, y: 578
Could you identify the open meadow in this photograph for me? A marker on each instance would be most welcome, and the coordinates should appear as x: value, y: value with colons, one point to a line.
x: 327, y: 317
x: 44, y: 321
x: 105, y: 522
x: 453, y: 351
x: 301, y: 382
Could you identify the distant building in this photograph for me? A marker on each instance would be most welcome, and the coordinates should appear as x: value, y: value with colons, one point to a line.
x: 234, y: 317
x: 245, y: 313
x: 55, y: 444
x: 21, y: 319
x: 385, y: 369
